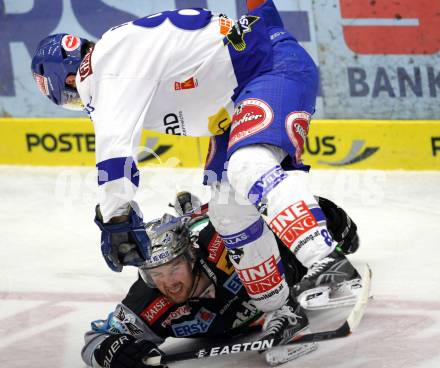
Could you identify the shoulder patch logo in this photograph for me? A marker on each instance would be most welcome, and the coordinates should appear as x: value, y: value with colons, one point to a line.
x: 125, y: 323
x: 235, y: 32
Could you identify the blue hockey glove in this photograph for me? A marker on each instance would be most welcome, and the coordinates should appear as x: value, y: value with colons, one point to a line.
x: 125, y: 243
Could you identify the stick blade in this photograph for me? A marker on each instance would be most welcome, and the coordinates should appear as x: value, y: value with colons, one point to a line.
x: 356, y: 314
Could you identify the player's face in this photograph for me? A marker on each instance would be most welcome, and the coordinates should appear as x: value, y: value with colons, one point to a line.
x: 70, y: 81
x: 174, y: 279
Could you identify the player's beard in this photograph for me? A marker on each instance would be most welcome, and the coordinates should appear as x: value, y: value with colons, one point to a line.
x: 181, y: 288
x: 179, y: 292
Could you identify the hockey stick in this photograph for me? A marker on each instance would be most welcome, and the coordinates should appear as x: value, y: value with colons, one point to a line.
x: 350, y: 324
x: 196, y: 212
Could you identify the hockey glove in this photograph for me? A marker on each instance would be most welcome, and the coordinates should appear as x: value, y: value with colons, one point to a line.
x: 340, y: 225
x: 186, y: 203
x: 124, y: 243
x: 124, y: 351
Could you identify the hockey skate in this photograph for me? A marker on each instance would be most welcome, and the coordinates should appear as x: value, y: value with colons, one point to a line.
x: 329, y: 283
x: 284, y: 325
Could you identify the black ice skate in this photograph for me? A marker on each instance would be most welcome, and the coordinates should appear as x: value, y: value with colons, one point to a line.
x: 284, y: 325
x: 329, y: 283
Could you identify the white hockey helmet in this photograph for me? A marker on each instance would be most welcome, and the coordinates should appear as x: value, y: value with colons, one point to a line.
x: 170, y: 238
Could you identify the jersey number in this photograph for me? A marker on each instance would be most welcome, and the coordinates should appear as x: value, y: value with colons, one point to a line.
x: 187, y: 19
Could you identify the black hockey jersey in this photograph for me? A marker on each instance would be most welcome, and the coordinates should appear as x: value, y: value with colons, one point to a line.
x: 146, y: 313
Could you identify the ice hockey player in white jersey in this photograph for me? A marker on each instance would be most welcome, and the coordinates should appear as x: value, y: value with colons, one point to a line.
x: 250, y: 86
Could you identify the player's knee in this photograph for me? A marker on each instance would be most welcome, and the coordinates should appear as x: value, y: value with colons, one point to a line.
x: 226, y: 213
x: 218, y: 214
x: 238, y: 168
x: 249, y: 164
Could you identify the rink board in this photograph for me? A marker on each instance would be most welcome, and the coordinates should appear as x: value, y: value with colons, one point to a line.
x: 71, y: 142
x: 348, y: 144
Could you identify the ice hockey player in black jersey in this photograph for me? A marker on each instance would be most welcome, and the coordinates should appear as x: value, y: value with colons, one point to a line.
x: 189, y: 288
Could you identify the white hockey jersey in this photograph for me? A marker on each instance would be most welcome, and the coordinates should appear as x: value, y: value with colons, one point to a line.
x: 174, y: 72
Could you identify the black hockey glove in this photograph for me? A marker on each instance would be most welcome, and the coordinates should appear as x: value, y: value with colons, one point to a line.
x: 124, y: 351
x: 124, y: 243
x: 341, y: 226
x: 186, y: 203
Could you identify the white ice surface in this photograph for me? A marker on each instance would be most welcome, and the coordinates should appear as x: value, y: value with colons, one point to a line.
x: 53, y: 281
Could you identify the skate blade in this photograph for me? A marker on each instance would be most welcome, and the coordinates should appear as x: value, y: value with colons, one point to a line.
x: 327, y: 297
x: 285, y: 353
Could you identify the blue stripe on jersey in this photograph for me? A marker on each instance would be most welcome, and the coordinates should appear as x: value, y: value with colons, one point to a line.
x: 265, y: 184
x: 117, y: 168
x: 248, y: 235
x: 318, y: 214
